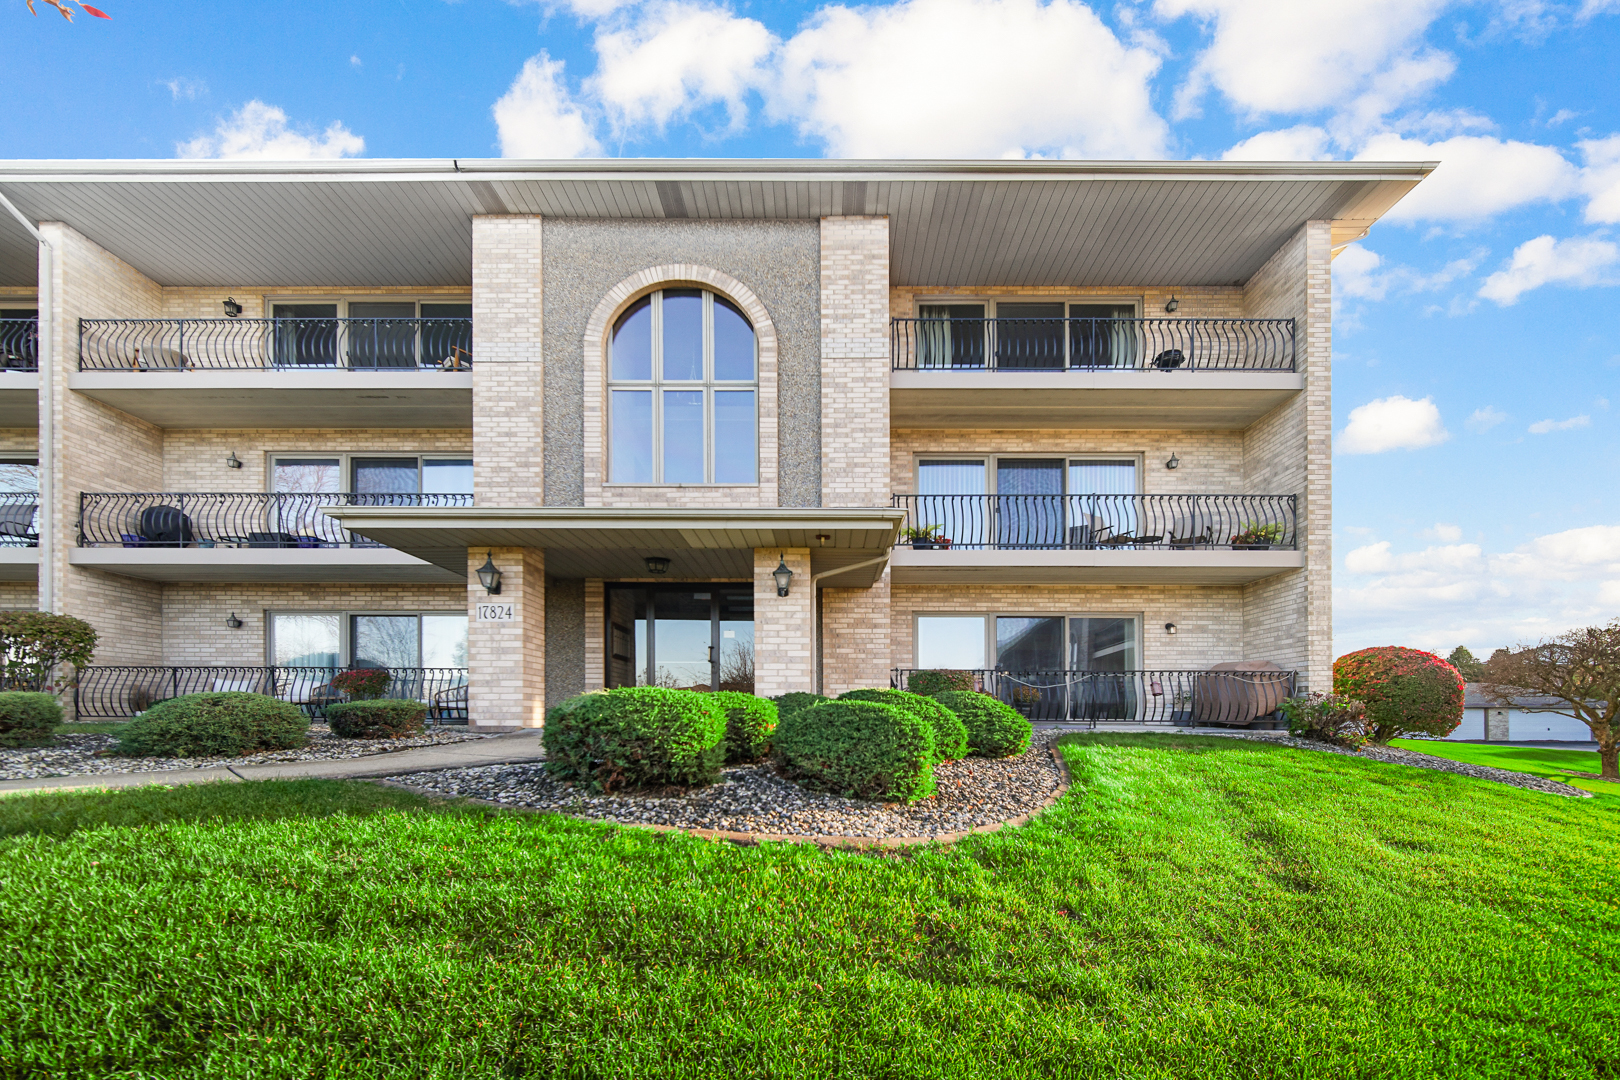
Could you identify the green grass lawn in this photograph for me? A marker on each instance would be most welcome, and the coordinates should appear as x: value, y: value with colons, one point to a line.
x: 1553, y: 764
x: 1192, y: 908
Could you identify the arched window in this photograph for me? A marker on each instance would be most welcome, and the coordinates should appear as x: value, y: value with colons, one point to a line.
x: 682, y: 387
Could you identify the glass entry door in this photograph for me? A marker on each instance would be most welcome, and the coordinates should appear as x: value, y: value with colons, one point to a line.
x: 683, y: 637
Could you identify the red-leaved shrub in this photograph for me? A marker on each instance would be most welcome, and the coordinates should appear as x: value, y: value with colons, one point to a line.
x: 1406, y: 691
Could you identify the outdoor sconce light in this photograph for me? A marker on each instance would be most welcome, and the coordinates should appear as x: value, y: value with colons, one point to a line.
x: 657, y: 564
x: 822, y: 538
x: 1171, y: 305
x: 233, y: 622
x: 489, y: 575
x: 1170, y: 628
x: 1174, y: 462
x: 233, y: 462
x: 783, y: 576
x: 232, y: 308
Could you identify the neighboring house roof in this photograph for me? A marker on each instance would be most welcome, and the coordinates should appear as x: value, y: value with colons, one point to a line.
x: 374, y: 222
x: 1474, y: 697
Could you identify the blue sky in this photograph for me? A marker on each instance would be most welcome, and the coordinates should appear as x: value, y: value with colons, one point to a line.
x: 1477, y: 361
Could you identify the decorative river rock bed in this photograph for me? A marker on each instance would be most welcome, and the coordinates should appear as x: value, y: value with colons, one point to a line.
x: 78, y: 755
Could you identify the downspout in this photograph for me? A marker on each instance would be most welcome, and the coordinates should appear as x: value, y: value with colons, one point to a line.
x: 47, y: 408
x: 815, y: 609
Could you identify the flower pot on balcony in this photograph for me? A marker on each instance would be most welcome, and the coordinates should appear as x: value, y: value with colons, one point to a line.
x: 1250, y: 547
x: 924, y: 545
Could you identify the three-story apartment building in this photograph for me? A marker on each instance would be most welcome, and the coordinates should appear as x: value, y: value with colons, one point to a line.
x: 515, y: 430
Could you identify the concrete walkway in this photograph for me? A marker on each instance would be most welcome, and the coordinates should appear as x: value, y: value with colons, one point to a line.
x: 509, y: 749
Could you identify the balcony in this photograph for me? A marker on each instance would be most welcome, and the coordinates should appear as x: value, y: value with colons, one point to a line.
x: 19, y: 536
x: 1097, y: 539
x: 1063, y: 372
x: 1178, y: 698
x: 344, y: 373
x: 115, y: 693
x: 244, y: 536
x: 19, y: 372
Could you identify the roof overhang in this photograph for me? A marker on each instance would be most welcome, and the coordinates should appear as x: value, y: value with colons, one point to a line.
x: 952, y: 223
x: 614, y: 542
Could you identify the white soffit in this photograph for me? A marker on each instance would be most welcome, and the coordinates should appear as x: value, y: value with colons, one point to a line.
x: 408, y: 222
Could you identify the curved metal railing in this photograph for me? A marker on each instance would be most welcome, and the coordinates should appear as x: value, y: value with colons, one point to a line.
x: 1091, y: 344
x: 243, y: 519
x: 110, y: 693
x: 279, y: 344
x: 19, y: 344
x: 1090, y: 522
x: 1177, y: 697
x: 19, y: 519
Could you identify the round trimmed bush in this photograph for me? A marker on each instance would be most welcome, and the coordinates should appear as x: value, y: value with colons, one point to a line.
x: 994, y: 728
x: 934, y: 683
x: 27, y: 717
x: 383, y: 718
x: 950, y: 735
x: 1406, y: 691
x: 794, y: 701
x: 750, y: 722
x: 635, y: 737
x: 219, y: 724
x: 857, y: 748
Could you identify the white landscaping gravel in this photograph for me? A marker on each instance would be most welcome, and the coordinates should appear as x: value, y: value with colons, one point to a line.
x: 79, y: 755
x: 755, y: 799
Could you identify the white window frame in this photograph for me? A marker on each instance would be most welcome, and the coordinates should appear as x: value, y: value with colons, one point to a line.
x: 345, y: 460
x: 991, y: 307
x: 658, y: 384
x: 345, y: 628
x: 992, y: 460
x: 344, y: 300
x: 990, y: 617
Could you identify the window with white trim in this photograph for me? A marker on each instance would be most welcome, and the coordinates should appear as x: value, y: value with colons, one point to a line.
x: 683, y: 393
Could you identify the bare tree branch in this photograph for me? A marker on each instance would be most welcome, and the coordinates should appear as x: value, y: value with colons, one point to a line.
x: 1580, y: 670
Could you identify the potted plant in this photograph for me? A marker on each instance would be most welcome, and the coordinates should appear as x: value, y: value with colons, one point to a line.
x: 1181, y: 713
x: 924, y: 537
x: 1026, y: 699
x: 1257, y: 537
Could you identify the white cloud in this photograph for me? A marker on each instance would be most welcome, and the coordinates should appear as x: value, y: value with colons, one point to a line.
x: 1579, y: 261
x: 1448, y: 534
x: 1356, y: 274
x: 1591, y: 8
x: 969, y: 78
x: 355, y: 61
x: 1392, y: 423
x: 675, y: 57
x: 259, y: 132
x: 537, y: 117
x: 1543, y: 427
x: 1600, y: 180
x: 596, y: 9
x: 1302, y: 143
x: 1482, y: 420
x: 1449, y: 593
x: 1479, y: 175
x: 183, y: 87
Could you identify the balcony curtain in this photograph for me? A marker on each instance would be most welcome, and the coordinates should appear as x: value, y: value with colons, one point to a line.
x: 950, y: 335
x: 951, y: 501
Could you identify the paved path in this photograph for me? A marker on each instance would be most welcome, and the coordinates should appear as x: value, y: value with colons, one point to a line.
x: 513, y: 748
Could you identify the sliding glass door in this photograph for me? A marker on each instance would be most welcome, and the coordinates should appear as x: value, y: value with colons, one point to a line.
x: 686, y: 637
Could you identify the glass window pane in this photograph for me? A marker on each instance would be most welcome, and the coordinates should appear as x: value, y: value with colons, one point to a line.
x: 447, y: 476
x: 1029, y: 335
x: 950, y: 501
x: 1102, y: 644
x: 733, y: 344
x: 447, y: 334
x: 385, y: 641
x: 386, y: 476
x: 632, y: 424
x: 1029, y: 503
x: 444, y: 641
x: 950, y: 335
x: 19, y: 476
x: 306, y: 333
x: 683, y: 436
x: 307, y: 474
x: 736, y: 453
x: 1103, y: 507
x: 737, y: 641
x: 305, y: 640
x: 632, y: 342
x: 950, y: 641
x: 1029, y: 644
x: 682, y: 634
x: 683, y: 335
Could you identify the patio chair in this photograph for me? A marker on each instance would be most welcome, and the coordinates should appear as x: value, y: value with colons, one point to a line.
x: 449, y: 704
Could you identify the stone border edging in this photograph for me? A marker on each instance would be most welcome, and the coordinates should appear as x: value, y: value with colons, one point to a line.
x: 749, y: 839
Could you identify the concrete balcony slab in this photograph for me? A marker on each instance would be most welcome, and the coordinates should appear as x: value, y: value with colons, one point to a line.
x: 910, y: 566
x: 19, y: 564
x: 348, y: 565
x: 19, y: 399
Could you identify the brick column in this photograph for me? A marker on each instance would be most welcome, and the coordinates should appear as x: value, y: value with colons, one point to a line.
x: 855, y: 638
x: 506, y: 661
x: 782, y: 624
x: 508, y: 383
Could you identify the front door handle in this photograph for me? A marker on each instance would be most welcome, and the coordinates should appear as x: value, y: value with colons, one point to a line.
x: 711, y: 654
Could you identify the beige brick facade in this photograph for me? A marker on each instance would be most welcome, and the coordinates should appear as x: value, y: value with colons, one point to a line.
x: 1193, y: 302
x: 506, y: 661
x: 195, y: 460
x: 782, y: 624
x: 1208, y: 461
x: 855, y: 361
x: 509, y: 375
x: 856, y: 639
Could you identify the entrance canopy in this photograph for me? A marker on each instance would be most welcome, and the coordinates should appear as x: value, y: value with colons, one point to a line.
x: 615, y: 542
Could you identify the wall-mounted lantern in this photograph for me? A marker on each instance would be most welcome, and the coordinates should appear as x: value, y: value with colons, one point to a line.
x: 233, y: 622
x: 489, y: 575
x: 783, y: 576
x: 1174, y: 462
x: 1170, y: 628
x: 657, y: 564
x: 232, y: 308
x: 1171, y: 305
x: 233, y: 462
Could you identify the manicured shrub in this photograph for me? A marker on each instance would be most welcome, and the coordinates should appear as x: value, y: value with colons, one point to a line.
x: 36, y: 648
x: 857, y: 748
x: 362, y: 684
x: 793, y: 702
x: 1406, y: 691
x: 220, y: 724
x: 636, y: 737
x: 26, y: 718
x: 950, y: 735
x: 1328, y: 718
x: 750, y: 723
x: 386, y: 718
x: 934, y: 683
x: 994, y: 728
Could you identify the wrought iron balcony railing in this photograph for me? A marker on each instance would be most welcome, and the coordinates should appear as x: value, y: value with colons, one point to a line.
x: 1091, y: 522
x: 230, y: 519
x: 276, y: 344
x: 1180, y: 698
x: 111, y: 693
x: 19, y: 344
x: 19, y: 519
x: 1092, y: 344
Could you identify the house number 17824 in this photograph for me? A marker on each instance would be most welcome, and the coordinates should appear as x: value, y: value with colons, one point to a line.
x: 496, y: 613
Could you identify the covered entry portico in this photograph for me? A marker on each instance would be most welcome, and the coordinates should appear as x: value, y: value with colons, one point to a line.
x: 737, y: 549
